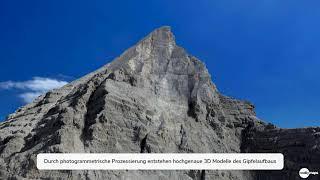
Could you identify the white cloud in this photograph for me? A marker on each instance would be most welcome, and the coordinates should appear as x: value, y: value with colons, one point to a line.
x: 33, y: 88
x: 28, y: 97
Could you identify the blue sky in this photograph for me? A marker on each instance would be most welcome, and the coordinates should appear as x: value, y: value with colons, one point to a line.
x: 264, y: 51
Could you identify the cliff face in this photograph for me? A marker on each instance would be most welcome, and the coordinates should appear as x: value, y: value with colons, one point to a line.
x: 154, y: 98
x: 301, y: 148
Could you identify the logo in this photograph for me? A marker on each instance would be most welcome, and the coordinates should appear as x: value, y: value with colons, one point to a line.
x: 305, y: 173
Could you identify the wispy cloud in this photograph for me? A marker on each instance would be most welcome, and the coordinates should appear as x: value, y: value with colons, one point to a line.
x: 33, y: 88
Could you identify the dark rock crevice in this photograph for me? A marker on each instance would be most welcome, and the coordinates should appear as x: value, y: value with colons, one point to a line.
x: 193, y: 110
x: 197, y: 174
x: 203, y: 175
x: 3, y: 142
x: 144, y: 146
x: 183, y: 146
x: 94, y: 106
x: 46, y: 131
x: 247, y: 141
x: 136, y: 134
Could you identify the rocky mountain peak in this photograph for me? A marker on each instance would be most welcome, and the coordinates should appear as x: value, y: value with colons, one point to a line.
x: 162, y: 36
x: 154, y: 98
x: 157, y: 49
x: 158, y: 65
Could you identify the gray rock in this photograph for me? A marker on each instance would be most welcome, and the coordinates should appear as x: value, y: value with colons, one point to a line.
x: 154, y: 98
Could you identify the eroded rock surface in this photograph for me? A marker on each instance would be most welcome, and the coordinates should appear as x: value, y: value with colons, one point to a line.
x: 154, y: 98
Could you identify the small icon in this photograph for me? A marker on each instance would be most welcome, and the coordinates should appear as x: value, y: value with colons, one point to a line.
x: 305, y: 173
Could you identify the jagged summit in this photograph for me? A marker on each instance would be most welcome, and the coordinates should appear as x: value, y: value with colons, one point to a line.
x: 156, y: 48
x: 154, y: 98
x: 157, y: 64
x: 162, y: 35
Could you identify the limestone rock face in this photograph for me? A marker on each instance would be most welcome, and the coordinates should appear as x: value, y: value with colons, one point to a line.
x: 154, y: 98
